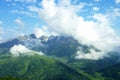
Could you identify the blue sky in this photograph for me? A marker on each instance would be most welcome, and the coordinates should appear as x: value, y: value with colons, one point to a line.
x: 19, y: 17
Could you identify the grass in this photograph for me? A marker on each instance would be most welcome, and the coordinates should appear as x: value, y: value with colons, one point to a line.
x: 35, y: 67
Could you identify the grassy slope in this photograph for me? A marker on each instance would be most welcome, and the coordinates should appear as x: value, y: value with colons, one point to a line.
x: 98, y: 70
x: 8, y: 78
x: 37, y: 68
x: 91, y: 66
x: 111, y: 73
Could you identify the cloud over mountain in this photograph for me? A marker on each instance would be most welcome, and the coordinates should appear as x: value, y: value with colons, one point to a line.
x: 62, y: 18
x: 38, y: 32
x: 85, y: 21
x: 20, y: 49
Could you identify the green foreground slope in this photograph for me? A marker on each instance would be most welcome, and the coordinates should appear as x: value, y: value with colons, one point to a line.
x: 37, y: 67
x: 111, y: 73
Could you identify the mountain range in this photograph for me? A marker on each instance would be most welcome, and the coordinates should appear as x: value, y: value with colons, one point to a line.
x: 58, y: 61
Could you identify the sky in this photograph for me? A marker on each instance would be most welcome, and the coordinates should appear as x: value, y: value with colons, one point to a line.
x: 91, y: 22
x: 18, y: 18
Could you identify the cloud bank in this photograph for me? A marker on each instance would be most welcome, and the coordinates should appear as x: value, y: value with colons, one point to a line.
x: 20, y: 49
x: 62, y: 18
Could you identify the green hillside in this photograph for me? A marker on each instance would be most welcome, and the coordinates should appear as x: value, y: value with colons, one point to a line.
x: 111, y: 73
x: 37, y: 68
x: 9, y: 78
x: 92, y: 66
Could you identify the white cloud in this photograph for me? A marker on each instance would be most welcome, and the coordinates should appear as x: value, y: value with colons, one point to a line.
x: 1, y: 22
x: 62, y: 18
x: 116, y: 12
x: 43, y: 31
x: 20, y: 49
x: 96, y: 8
x: 33, y: 8
x: 27, y: 1
x: 19, y: 22
x: 107, y: 38
x: 38, y: 32
x: 24, y: 13
x: 117, y: 1
x: 93, y: 55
